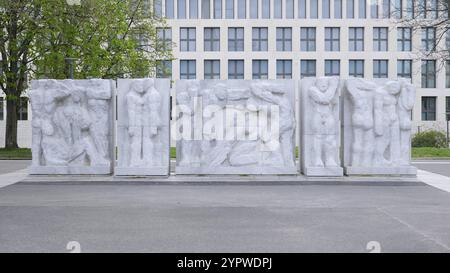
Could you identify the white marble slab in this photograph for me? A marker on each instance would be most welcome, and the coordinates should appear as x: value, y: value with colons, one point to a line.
x: 143, y: 129
x: 72, y: 126
x: 377, y: 127
x: 320, y: 126
x: 210, y: 141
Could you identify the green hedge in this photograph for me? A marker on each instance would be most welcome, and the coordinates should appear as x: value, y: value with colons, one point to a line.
x: 433, y: 139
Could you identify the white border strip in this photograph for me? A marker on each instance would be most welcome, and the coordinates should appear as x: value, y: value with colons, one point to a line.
x: 433, y: 179
x: 14, y: 177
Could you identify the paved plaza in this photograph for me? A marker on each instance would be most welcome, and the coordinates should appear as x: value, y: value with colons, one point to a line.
x: 414, y: 217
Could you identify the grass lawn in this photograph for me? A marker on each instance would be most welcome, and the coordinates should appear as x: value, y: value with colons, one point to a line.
x: 422, y: 152
x: 15, y: 153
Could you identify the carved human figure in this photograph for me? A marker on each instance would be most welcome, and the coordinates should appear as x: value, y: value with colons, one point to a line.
x: 324, y: 98
x: 143, y: 104
x: 215, y: 150
x: 405, y: 104
x: 386, y: 124
x: 47, y: 146
x: 276, y: 96
x: 98, y: 101
x: 362, y: 96
x: 152, y: 143
x: 78, y: 129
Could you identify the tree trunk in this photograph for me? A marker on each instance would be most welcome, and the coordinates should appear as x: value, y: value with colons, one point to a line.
x: 11, y: 123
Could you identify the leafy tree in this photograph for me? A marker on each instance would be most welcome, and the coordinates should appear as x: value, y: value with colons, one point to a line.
x: 98, y: 38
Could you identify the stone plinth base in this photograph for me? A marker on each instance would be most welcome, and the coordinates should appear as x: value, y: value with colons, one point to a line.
x: 245, y: 170
x: 76, y: 170
x: 323, y: 171
x: 400, y: 170
x: 150, y: 171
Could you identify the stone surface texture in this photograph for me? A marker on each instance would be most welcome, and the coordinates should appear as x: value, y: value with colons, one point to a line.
x: 143, y: 127
x: 377, y: 127
x: 235, y: 127
x: 72, y: 126
x: 320, y: 126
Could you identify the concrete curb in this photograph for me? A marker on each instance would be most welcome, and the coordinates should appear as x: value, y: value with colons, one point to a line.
x: 181, y: 180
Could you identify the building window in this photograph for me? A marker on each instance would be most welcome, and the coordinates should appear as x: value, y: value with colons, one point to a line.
x: 229, y: 9
x: 409, y: 9
x: 165, y: 38
x: 447, y: 74
x: 337, y: 9
x: 217, y: 9
x: 302, y: 9
x: 421, y: 9
x: 235, y: 69
x: 307, y: 68
x: 157, y: 9
x: 187, y: 39
x: 212, y: 39
x: 374, y: 9
x: 386, y: 9
x: 325, y: 9
x: 447, y: 108
x: 164, y: 69
x: 404, y: 69
x: 260, y: 69
x: 432, y: 9
x: 169, y: 9
x: 188, y: 69
x: 236, y: 39
x: 278, y: 9
x: 380, y: 38
x: 212, y: 69
x: 350, y: 9
x: 356, y: 68
x: 429, y: 74
x: 314, y: 9
x: 2, y: 109
x: 265, y: 9
x: 284, y: 69
x: 428, y: 108
x: 23, y: 109
x: 206, y: 9
x: 289, y: 9
x: 193, y: 9
x: 259, y: 39
x: 332, y: 39
x: 253, y: 9
x: 181, y: 10
x: 398, y: 9
x: 428, y: 38
x: 284, y: 39
x: 380, y: 68
x: 332, y: 68
x: 362, y: 9
x: 241, y: 9
x: 404, y: 40
x: 356, y: 39
x: 308, y: 39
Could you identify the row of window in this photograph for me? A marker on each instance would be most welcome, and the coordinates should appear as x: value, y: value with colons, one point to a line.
x: 428, y: 103
x: 22, y: 109
x: 314, y: 9
x: 429, y: 108
x: 260, y: 69
x: 308, y: 41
